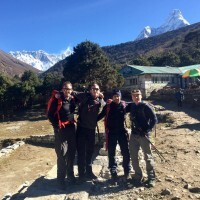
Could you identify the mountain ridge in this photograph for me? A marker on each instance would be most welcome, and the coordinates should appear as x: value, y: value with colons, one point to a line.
x: 11, y: 66
x: 124, y: 52
x: 173, y: 22
x: 40, y: 59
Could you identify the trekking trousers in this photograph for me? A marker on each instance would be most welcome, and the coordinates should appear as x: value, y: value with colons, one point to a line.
x: 137, y: 141
x: 65, y: 147
x: 85, y: 139
x: 122, y: 140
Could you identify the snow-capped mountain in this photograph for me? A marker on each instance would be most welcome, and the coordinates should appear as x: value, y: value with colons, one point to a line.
x: 40, y: 59
x: 173, y: 22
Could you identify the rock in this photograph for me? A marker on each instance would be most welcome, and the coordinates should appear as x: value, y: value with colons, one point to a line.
x: 103, y: 152
x: 166, y: 192
x: 175, y: 198
x: 7, y: 195
x: 187, y: 186
x: 197, y: 196
x: 169, y: 178
x: 77, y: 196
x: 194, y: 190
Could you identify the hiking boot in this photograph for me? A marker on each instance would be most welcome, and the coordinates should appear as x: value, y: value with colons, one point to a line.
x: 150, y: 183
x: 127, y: 176
x: 137, y: 182
x: 91, y: 175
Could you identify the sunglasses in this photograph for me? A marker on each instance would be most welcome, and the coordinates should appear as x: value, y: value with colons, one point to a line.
x: 95, y: 89
x: 65, y: 89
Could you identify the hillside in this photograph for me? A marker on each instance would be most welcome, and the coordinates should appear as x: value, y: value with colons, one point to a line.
x: 186, y: 38
x: 10, y: 66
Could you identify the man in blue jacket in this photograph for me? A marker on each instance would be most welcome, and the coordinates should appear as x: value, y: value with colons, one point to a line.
x: 143, y: 119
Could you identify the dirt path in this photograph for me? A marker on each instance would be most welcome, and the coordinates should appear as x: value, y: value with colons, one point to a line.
x: 178, y: 141
x: 25, y: 164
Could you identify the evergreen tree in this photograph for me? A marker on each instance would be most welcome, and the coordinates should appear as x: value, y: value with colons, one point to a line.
x: 89, y: 63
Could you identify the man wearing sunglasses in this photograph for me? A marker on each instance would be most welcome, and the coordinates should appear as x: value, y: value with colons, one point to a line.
x: 89, y: 107
x: 61, y: 116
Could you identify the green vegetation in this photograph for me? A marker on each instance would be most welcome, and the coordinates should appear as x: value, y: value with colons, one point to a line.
x: 89, y: 63
x: 175, y: 48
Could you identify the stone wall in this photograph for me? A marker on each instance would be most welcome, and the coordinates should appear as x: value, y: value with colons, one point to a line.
x: 192, y: 96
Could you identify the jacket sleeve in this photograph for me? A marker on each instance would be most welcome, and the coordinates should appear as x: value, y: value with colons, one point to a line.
x: 151, y: 117
x: 80, y: 96
x: 102, y: 113
x: 52, y: 113
x: 128, y: 108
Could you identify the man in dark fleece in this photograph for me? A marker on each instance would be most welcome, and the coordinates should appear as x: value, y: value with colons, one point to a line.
x: 61, y: 116
x: 89, y: 107
x: 114, y: 113
x: 143, y: 119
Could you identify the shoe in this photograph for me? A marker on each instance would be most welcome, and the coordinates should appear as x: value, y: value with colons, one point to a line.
x: 137, y: 182
x: 91, y: 176
x: 81, y: 179
x: 127, y: 176
x: 114, y: 176
x: 61, y: 184
x: 150, y: 183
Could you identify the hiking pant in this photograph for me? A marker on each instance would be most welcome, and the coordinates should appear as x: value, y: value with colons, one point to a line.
x: 65, y: 147
x: 137, y: 141
x: 179, y: 103
x: 85, y: 139
x: 122, y: 140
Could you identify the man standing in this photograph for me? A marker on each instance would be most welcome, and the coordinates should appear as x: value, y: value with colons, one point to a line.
x: 180, y: 97
x: 90, y: 104
x: 114, y: 113
x: 61, y: 116
x: 143, y: 119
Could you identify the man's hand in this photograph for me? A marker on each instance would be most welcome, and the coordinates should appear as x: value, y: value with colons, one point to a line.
x: 101, y: 95
x: 57, y: 95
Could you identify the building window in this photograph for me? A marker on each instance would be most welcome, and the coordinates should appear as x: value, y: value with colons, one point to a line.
x: 155, y: 79
x: 133, y: 81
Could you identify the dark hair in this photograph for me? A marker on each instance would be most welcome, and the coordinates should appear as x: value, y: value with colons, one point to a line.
x: 92, y: 84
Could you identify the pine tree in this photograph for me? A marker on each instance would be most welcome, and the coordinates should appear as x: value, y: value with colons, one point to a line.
x: 89, y: 63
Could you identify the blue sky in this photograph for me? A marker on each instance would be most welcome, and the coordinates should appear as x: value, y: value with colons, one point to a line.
x: 54, y: 25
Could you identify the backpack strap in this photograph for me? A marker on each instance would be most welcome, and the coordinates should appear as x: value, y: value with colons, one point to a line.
x: 53, y: 94
x: 56, y: 96
x: 109, y: 101
x: 61, y: 123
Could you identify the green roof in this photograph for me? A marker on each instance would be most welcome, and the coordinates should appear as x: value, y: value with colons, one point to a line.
x: 184, y: 69
x: 139, y: 70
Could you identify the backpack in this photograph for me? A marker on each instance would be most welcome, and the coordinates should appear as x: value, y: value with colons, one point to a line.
x: 56, y: 96
x: 141, y: 110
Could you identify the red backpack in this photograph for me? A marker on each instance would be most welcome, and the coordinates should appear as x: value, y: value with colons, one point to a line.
x: 56, y: 96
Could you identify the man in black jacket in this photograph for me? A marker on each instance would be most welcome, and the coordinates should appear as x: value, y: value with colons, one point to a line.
x: 61, y: 116
x: 89, y: 107
x: 143, y: 120
x: 114, y: 113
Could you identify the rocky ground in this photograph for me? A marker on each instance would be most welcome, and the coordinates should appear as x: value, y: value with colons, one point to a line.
x: 178, y: 178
